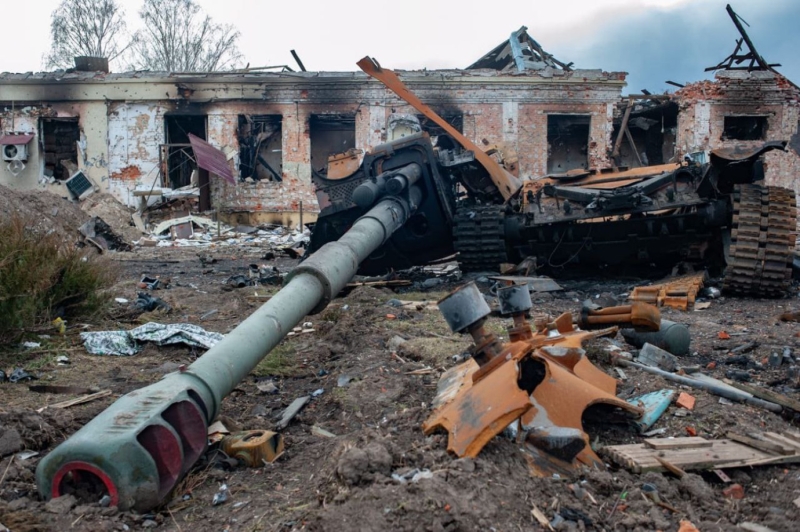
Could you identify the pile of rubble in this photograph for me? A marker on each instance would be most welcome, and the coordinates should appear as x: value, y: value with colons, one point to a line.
x: 201, y: 232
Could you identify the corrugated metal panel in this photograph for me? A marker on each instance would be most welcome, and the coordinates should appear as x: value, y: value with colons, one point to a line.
x: 16, y: 140
x: 212, y: 159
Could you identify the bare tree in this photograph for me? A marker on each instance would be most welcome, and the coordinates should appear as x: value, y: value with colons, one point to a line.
x: 86, y: 27
x: 178, y: 37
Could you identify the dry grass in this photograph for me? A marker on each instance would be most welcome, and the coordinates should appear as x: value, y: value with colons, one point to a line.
x: 41, y: 278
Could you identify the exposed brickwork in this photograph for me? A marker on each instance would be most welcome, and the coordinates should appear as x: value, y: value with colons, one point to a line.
x: 704, y: 106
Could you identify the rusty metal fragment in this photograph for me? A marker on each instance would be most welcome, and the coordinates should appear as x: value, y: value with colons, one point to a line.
x: 679, y: 293
x: 540, y: 383
x: 642, y: 316
x: 507, y: 184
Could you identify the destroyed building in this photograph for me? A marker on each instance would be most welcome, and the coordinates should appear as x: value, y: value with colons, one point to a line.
x: 128, y: 132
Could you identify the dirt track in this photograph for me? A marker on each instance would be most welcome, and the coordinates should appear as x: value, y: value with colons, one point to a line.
x: 344, y: 483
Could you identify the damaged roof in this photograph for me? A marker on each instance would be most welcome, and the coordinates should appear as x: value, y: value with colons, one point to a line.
x: 146, y: 76
x: 520, y: 52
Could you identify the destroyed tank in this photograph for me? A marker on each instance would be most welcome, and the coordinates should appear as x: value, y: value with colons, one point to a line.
x: 716, y: 212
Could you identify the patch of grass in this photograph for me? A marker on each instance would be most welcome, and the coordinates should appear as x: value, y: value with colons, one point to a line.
x: 42, y: 278
x: 281, y: 362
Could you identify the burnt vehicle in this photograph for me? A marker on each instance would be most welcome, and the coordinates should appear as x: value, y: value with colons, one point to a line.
x: 717, y: 212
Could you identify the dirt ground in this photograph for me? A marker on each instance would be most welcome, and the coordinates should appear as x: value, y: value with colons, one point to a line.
x: 344, y: 482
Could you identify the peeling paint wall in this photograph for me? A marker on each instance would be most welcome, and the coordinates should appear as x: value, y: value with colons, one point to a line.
x: 135, y: 133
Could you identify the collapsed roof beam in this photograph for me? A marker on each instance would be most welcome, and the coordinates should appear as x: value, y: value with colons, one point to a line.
x: 737, y: 58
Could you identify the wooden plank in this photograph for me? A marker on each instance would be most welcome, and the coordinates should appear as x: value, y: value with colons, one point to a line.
x: 77, y: 400
x: 723, y: 453
x: 792, y: 435
x: 672, y: 468
x: 767, y: 395
x: 781, y: 439
x: 676, y: 443
x: 762, y: 445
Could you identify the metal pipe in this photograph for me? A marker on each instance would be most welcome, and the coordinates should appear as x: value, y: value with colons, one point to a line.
x: 732, y: 394
x: 403, y: 178
x: 141, y: 446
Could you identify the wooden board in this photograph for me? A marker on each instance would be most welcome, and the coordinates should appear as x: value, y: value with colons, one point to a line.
x: 762, y: 444
x: 767, y: 395
x: 723, y: 453
x: 673, y: 443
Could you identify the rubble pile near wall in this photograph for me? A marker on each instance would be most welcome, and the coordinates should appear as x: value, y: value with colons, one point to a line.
x: 200, y: 232
x: 112, y: 212
x: 48, y: 212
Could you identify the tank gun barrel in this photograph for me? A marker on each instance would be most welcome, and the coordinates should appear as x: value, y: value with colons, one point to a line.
x: 141, y: 446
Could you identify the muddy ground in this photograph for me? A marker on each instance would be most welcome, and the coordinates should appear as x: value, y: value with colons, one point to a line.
x: 344, y: 482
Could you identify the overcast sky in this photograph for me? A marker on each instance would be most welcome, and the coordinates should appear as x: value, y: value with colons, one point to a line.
x: 652, y: 40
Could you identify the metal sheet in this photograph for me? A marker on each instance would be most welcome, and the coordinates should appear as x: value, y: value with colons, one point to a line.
x: 212, y: 159
x: 507, y: 184
x: 16, y: 140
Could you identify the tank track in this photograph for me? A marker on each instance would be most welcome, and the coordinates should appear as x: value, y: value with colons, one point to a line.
x: 763, y: 233
x: 479, y: 238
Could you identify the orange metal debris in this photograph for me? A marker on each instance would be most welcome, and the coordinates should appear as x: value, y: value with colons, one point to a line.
x: 722, y: 335
x: 341, y: 165
x: 642, y: 316
x: 506, y: 183
x: 543, y: 380
x: 679, y: 293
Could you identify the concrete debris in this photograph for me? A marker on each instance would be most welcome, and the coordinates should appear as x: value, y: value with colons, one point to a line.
x: 200, y: 232
x: 651, y: 355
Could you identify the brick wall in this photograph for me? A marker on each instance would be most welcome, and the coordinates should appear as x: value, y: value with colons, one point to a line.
x: 704, y: 106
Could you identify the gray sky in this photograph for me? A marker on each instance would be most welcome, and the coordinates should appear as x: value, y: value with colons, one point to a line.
x: 652, y: 40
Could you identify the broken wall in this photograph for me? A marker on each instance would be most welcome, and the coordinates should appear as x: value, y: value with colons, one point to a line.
x: 122, y: 119
x: 705, y: 105
x: 91, y: 147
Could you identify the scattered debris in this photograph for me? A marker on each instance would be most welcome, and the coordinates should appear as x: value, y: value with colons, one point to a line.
x: 679, y: 293
x: 49, y: 388
x: 19, y: 375
x: 413, y: 476
x: 253, y: 447
x: 77, y: 401
x: 671, y: 337
x: 319, y: 431
x: 685, y: 401
x: 100, y: 234
x: 651, y: 355
x: 534, y: 284
x: 267, y: 387
x: 693, y: 453
x: 147, y: 303
x: 126, y: 343
x: 292, y: 410
x: 653, y: 406
x: 735, y: 491
x: 221, y: 496
x: 557, y: 442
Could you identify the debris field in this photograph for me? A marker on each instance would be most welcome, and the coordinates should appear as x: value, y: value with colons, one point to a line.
x: 355, y: 457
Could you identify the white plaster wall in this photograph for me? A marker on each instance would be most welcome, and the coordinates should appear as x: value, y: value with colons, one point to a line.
x: 135, y: 134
